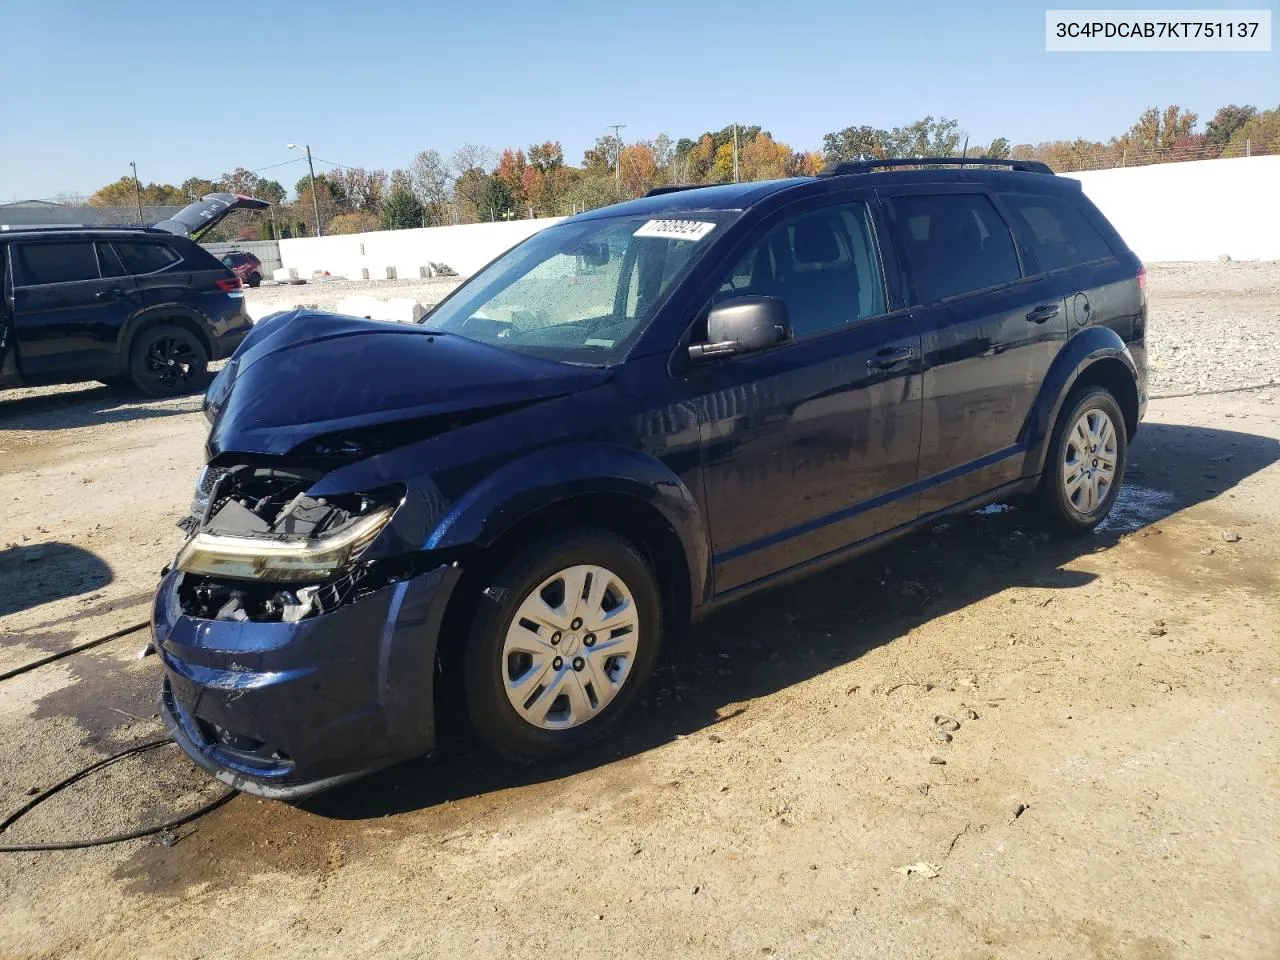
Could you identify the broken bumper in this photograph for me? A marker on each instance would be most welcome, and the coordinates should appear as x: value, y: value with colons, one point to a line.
x: 287, y: 709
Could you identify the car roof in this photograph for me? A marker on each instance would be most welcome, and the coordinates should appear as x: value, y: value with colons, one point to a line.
x: 742, y: 196
x: 89, y: 233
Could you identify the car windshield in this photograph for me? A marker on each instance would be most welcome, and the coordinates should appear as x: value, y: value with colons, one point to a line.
x: 580, y: 292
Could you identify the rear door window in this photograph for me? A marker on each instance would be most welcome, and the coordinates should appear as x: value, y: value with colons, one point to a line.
x: 1058, y: 233
x: 953, y: 244
x: 108, y: 262
x: 144, y: 256
x: 36, y: 264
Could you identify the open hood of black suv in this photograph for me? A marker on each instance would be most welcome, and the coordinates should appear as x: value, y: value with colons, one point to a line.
x: 302, y: 376
x: 196, y: 218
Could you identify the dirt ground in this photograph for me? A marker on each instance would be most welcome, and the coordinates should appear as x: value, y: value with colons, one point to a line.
x: 1121, y: 691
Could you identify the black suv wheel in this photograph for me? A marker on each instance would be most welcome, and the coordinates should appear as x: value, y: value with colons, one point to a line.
x: 1085, y: 464
x: 565, y: 636
x: 168, y: 361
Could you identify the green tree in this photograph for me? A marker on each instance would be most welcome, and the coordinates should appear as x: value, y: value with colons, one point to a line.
x: 1261, y: 135
x: 1226, y: 122
x: 997, y: 150
x: 496, y: 200
x: 854, y: 143
x: 401, y: 210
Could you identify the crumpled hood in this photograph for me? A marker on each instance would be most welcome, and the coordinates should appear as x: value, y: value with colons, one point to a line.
x: 304, y: 374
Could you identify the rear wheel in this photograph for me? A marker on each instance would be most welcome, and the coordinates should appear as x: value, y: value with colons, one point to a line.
x: 254, y: 279
x: 1085, y: 464
x: 566, y: 635
x: 167, y: 361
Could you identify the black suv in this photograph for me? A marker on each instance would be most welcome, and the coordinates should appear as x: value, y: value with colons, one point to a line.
x: 147, y: 306
x: 635, y: 415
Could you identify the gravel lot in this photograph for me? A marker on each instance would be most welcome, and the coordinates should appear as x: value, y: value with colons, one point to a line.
x: 1111, y: 790
x: 1214, y: 326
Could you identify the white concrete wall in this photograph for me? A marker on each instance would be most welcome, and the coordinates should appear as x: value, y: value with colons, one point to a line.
x: 466, y: 248
x: 1197, y: 210
x: 1171, y: 211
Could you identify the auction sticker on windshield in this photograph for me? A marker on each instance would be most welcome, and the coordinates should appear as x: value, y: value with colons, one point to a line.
x: 676, y: 229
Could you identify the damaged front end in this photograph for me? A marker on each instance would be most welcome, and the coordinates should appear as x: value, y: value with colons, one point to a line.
x: 265, y: 551
x: 297, y: 633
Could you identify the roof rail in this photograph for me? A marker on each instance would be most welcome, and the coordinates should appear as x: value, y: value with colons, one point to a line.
x: 673, y: 188
x: 73, y: 228
x: 842, y: 167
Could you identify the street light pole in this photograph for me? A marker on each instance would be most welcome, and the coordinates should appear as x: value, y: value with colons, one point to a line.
x: 315, y: 202
x: 617, y: 155
x: 137, y: 190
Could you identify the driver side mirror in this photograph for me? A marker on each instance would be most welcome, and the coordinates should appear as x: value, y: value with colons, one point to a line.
x: 744, y: 325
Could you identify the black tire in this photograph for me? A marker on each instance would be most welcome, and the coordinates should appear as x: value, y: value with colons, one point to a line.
x: 493, y: 718
x: 168, y: 361
x: 1071, y: 512
x: 254, y: 279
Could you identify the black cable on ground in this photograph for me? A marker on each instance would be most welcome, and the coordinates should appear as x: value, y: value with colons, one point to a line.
x: 39, y: 798
x: 70, y: 650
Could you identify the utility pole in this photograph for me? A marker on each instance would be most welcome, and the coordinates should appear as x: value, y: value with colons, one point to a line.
x: 137, y: 191
x: 965, y: 154
x: 275, y: 234
x: 735, y: 153
x: 315, y: 202
x: 617, y: 155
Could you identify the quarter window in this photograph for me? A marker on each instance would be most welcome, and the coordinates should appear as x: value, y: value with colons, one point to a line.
x: 1058, y: 232
x: 953, y: 244
x: 41, y: 263
x: 146, y: 257
x: 823, y: 263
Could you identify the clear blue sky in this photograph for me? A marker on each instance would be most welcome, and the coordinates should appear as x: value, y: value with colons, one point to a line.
x: 196, y: 88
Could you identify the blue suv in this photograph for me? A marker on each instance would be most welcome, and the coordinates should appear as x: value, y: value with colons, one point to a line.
x: 635, y: 415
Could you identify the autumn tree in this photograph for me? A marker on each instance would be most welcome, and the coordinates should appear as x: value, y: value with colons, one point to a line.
x: 763, y: 159
x: 358, y: 222
x: 510, y: 171
x: 123, y: 193
x: 639, y: 169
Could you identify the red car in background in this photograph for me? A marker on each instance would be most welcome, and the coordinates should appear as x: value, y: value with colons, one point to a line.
x: 245, y: 266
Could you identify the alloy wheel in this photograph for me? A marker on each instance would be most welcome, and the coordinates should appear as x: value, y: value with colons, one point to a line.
x: 170, y: 361
x: 570, y: 647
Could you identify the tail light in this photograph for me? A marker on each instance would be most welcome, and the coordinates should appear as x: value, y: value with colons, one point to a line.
x: 1142, y: 280
x: 231, y: 284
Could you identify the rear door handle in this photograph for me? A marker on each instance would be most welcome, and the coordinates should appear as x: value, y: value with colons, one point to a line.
x: 1043, y: 313
x: 889, y: 357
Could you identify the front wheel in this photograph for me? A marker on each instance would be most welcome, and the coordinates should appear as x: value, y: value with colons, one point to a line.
x: 1085, y: 464
x: 566, y: 635
x: 167, y: 361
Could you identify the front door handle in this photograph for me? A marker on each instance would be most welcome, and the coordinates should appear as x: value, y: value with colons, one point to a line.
x: 1043, y: 313
x: 115, y: 293
x: 889, y: 357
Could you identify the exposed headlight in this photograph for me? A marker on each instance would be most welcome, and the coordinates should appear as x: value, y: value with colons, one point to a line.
x: 280, y: 559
